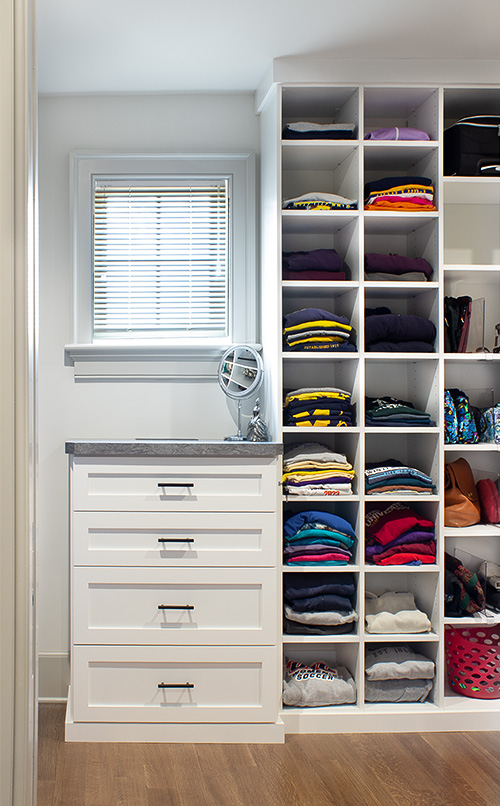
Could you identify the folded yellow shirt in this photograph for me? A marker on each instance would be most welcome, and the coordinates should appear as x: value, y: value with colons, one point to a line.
x: 318, y: 323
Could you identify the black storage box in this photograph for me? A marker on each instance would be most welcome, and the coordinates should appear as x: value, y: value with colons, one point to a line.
x: 472, y: 146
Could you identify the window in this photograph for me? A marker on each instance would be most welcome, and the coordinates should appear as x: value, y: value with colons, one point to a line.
x: 160, y: 257
x: 164, y: 250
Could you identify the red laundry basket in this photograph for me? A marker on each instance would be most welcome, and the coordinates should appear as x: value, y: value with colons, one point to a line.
x: 473, y: 661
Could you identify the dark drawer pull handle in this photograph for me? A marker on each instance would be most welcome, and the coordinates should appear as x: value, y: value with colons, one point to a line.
x: 175, y: 685
x: 176, y: 540
x: 175, y: 607
x: 176, y: 484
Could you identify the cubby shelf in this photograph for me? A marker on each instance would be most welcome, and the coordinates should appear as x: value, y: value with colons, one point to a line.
x: 461, y: 241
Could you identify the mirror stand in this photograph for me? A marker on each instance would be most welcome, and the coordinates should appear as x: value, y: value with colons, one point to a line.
x: 239, y: 436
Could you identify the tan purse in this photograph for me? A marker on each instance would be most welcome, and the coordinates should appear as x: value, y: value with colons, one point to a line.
x: 461, y: 501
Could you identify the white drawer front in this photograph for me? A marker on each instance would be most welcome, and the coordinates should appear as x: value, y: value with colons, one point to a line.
x: 174, y: 606
x: 175, y: 539
x: 207, y: 485
x: 173, y: 684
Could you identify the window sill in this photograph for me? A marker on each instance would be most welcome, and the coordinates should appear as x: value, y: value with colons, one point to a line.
x: 128, y: 361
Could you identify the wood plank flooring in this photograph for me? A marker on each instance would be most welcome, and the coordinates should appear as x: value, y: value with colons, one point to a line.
x: 409, y: 769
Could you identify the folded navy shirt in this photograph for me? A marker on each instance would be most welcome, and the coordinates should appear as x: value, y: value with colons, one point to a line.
x: 305, y: 315
x: 395, y: 327
x: 389, y: 182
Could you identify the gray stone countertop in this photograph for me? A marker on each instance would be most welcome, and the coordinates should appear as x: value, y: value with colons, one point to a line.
x: 172, y: 447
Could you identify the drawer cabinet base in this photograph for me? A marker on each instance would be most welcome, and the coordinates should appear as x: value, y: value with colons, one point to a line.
x: 172, y: 732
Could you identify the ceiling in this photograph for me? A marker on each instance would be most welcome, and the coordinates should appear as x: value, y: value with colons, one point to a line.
x: 95, y: 46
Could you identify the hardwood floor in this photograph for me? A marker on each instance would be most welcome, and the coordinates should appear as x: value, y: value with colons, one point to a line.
x: 409, y: 769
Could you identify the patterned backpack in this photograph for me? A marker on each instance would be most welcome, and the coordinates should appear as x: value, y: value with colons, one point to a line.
x: 466, y: 423
x: 450, y: 419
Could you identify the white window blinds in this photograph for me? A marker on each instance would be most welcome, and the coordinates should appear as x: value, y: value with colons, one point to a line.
x: 161, y: 258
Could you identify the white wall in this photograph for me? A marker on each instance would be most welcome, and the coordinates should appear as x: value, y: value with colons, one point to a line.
x: 107, y: 410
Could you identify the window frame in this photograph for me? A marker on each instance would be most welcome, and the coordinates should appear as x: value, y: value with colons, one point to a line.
x: 163, y: 356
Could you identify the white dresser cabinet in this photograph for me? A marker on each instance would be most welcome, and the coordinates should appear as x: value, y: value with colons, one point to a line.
x: 174, y: 594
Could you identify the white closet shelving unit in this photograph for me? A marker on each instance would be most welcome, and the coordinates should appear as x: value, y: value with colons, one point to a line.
x: 462, y: 243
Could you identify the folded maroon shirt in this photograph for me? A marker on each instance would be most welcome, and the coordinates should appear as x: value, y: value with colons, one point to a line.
x: 323, y: 276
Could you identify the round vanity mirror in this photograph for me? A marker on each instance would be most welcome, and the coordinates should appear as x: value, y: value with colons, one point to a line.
x: 240, y: 376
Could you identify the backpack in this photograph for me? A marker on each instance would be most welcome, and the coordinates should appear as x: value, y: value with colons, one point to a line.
x: 450, y: 419
x: 466, y: 423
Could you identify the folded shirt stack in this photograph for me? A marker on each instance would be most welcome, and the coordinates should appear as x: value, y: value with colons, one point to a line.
x: 394, y: 613
x: 316, y: 684
x: 311, y: 468
x: 304, y: 130
x: 324, y: 407
x: 410, y: 193
x: 317, y: 538
x: 320, y: 201
x: 396, y: 267
x: 390, y: 411
x: 388, y: 332
x: 317, y: 330
x: 397, y: 535
x: 316, y: 264
x: 319, y: 604
x: 396, y: 673
x: 392, y: 476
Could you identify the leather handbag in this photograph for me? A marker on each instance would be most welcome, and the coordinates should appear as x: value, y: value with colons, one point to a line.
x: 461, y: 501
x: 488, y: 500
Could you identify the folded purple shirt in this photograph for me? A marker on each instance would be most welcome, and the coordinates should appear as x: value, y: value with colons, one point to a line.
x: 396, y: 264
x: 405, y: 540
x: 313, y: 260
x: 397, y: 133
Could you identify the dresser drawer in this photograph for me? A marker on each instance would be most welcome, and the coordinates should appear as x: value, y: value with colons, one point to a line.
x: 175, y: 539
x: 174, y: 606
x: 181, y: 484
x: 175, y: 684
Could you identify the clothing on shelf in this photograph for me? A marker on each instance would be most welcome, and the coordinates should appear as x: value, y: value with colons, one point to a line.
x: 316, y: 265
x: 396, y: 267
x: 391, y: 475
x: 313, y: 276
x: 390, y: 411
x: 463, y: 592
x: 327, y: 407
x: 397, y: 133
x: 304, y: 130
x: 320, y: 201
x: 410, y: 193
x: 316, y: 330
x: 316, y: 684
x: 311, y: 468
x: 397, y: 662
x: 394, y: 612
x: 395, y: 673
x: 397, y: 690
x: 319, y: 600
x: 317, y: 538
x: 397, y: 535
x: 394, y: 332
